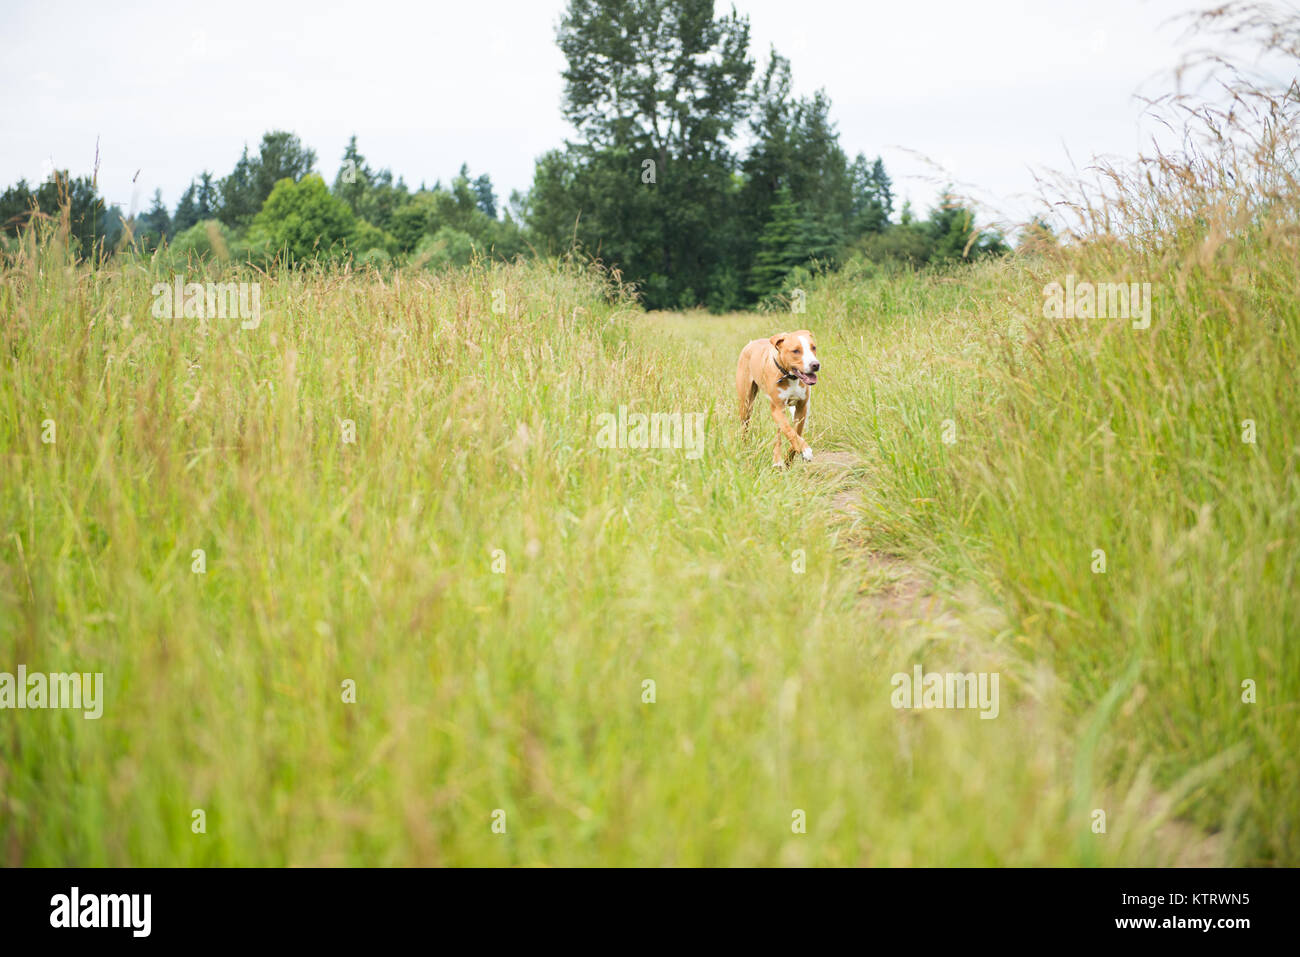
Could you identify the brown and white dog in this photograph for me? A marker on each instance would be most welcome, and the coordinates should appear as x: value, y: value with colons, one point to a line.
x: 785, y: 368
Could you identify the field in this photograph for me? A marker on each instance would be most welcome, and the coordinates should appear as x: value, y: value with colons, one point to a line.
x: 399, y: 497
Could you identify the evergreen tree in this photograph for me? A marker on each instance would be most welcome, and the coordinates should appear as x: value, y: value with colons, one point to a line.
x: 92, y: 223
x: 353, y: 179
x: 883, y: 187
x: 782, y: 245
x: 155, y: 225
x: 873, y: 196
x: 187, y: 211
x: 487, y: 199
x: 371, y: 194
x: 239, y: 200
x: 796, y: 146
x: 281, y: 156
x: 953, y: 234
x: 199, y: 202
x: 207, y: 199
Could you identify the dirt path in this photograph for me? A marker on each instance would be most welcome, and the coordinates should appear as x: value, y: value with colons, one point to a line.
x: 895, y: 588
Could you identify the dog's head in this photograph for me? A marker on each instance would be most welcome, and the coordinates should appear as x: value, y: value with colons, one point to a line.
x: 797, y: 351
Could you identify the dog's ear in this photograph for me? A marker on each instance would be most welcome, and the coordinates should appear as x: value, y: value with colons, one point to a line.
x: 777, y: 339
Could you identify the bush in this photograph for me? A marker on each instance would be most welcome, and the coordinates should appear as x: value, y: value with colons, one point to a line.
x: 446, y: 247
x: 374, y: 257
x: 305, y: 220
x: 367, y: 238
x: 210, y: 239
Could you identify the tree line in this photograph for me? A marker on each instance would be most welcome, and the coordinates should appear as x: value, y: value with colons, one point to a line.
x: 702, y: 178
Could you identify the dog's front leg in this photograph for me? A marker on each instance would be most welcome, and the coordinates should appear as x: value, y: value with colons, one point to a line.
x: 800, y: 417
x: 797, y: 443
x: 779, y: 460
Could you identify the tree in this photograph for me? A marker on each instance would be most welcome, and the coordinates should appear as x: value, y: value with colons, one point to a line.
x: 90, y: 221
x: 459, y: 209
x: 354, y: 176
x: 304, y: 220
x: 207, y: 199
x: 882, y: 190
x: 155, y: 225
x: 954, y: 236
x: 655, y: 90
x: 795, y: 147
x: 15, y: 207
x: 907, y: 242
x: 487, y: 199
x: 658, y: 73
x: 873, y: 196
x: 782, y: 246
x: 464, y: 192
x: 186, y: 210
x: 370, y: 194
x: 447, y: 247
x: 281, y: 156
x: 239, y: 199
x: 199, y: 202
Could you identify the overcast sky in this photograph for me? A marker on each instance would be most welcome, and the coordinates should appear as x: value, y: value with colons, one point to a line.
x: 991, y: 89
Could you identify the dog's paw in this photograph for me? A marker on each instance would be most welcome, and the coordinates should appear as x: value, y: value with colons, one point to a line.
x: 807, y: 453
x: 779, y: 466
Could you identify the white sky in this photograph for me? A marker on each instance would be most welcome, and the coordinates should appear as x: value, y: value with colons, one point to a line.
x: 990, y: 88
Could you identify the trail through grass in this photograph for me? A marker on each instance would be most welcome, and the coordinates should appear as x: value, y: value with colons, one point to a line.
x: 903, y: 604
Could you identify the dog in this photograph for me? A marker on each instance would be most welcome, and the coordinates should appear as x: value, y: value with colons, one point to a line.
x: 785, y: 367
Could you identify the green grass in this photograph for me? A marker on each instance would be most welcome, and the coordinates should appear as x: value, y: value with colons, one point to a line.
x: 1075, y: 435
x: 523, y: 691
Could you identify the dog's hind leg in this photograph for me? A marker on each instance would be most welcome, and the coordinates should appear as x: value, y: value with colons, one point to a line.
x: 746, y: 389
x: 746, y: 403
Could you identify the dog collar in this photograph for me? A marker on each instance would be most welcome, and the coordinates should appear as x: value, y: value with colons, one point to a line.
x: 784, y: 374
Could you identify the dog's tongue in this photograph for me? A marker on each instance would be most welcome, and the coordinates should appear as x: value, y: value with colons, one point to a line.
x: 809, y: 377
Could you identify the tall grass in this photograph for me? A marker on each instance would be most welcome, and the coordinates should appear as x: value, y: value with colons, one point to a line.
x: 500, y: 588
x: 1172, y: 449
x: 475, y: 691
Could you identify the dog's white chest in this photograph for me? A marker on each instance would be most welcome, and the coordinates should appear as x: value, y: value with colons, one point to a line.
x: 796, y: 391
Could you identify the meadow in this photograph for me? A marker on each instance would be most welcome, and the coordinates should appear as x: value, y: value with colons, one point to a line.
x: 365, y: 588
